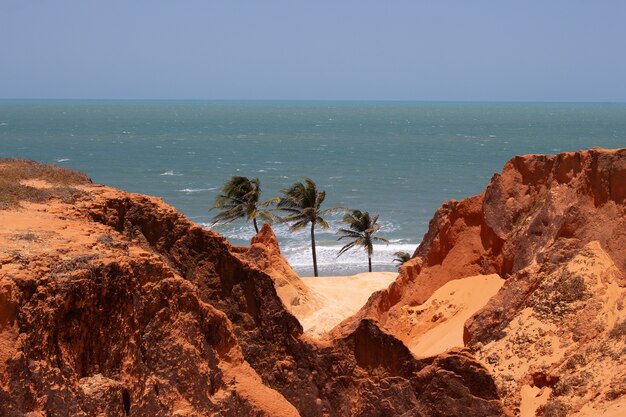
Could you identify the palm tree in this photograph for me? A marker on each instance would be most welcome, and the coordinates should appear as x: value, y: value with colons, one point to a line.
x: 239, y: 198
x: 401, y: 257
x: 302, y: 202
x: 361, y: 228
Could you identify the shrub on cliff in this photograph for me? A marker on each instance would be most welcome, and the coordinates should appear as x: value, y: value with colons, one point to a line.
x: 13, y: 187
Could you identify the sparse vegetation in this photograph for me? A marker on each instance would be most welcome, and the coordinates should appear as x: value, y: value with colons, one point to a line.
x: 522, y: 216
x: 13, y: 172
x: 615, y: 393
x: 493, y: 359
x: 74, y: 264
x: 618, y: 331
x: 563, y: 387
x: 559, y: 295
x: 28, y: 236
x: 575, y: 384
x: 108, y: 241
x: 554, y: 408
x: 576, y: 360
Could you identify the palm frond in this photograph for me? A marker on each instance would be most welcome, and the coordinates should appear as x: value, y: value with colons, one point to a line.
x: 300, y: 224
x: 345, y: 233
x: 346, y: 248
x: 401, y: 257
x: 381, y: 239
x: 270, y: 202
x: 238, y: 199
x: 323, y: 223
x: 361, y: 227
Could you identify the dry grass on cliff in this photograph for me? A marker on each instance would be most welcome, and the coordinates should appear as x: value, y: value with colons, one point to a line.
x: 560, y: 294
x: 15, y: 172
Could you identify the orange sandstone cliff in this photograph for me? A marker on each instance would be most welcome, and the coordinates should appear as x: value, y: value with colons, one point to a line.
x: 114, y: 304
x: 530, y: 277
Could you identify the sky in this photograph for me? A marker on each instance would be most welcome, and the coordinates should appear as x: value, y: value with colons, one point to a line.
x: 500, y: 50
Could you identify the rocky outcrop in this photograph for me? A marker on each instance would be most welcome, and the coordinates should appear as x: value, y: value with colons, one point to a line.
x: 115, y: 304
x: 555, y: 228
x: 265, y: 254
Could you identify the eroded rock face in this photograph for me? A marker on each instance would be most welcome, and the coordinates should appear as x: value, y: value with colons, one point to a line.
x: 115, y: 304
x: 265, y: 254
x: 555, y: 228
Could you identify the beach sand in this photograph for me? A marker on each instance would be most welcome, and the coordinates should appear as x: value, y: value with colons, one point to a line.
x: 341, y: 297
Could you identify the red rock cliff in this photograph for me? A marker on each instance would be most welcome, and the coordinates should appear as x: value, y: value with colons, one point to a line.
x: 555, y: 228
x: 115, y: 304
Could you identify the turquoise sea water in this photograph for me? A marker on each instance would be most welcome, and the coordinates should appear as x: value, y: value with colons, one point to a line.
x: 398, y: 159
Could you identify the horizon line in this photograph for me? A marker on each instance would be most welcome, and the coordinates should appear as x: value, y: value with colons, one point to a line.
x: 322, y: 100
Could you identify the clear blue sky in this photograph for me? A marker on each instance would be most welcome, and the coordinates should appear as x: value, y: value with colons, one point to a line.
x: 537, y: 50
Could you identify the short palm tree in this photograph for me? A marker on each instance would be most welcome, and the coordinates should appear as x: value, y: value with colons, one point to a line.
x: 361, y: 229
x: 401, y: 257
x: 239, y: 199
x: 302, y: 202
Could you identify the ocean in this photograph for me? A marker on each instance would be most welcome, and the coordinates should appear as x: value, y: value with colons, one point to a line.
x: 400, y: 160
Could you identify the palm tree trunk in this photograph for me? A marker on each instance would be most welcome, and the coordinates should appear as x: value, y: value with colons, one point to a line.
x: 369, y: 261
x: 256, y: 227
x: 313, y: 248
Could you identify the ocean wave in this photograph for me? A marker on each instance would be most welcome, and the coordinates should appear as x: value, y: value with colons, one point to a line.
x: 244, y: 231
x: 296, y: 248
x: 63, y: 160
x: 300, y: 256
x: 171, y: 174
x: 195, y: 190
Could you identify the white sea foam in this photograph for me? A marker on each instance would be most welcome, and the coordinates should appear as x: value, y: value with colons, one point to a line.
x: 171, y: 174
x: 296, y: 248
x: 351, y: 262
x: 63, y: 160
x: 300, y: 256
x: 239, y: 231
x: 195, y: 190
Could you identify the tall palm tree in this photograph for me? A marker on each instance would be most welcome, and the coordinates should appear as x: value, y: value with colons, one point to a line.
x: 361, y: 228
x: 302, y: 202
x: 239, y: 198
x: 401, y: 257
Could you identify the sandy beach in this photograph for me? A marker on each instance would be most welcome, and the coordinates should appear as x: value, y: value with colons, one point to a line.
x: 341, y: 297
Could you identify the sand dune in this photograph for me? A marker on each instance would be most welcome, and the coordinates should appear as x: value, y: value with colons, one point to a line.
x: 438, y: 323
